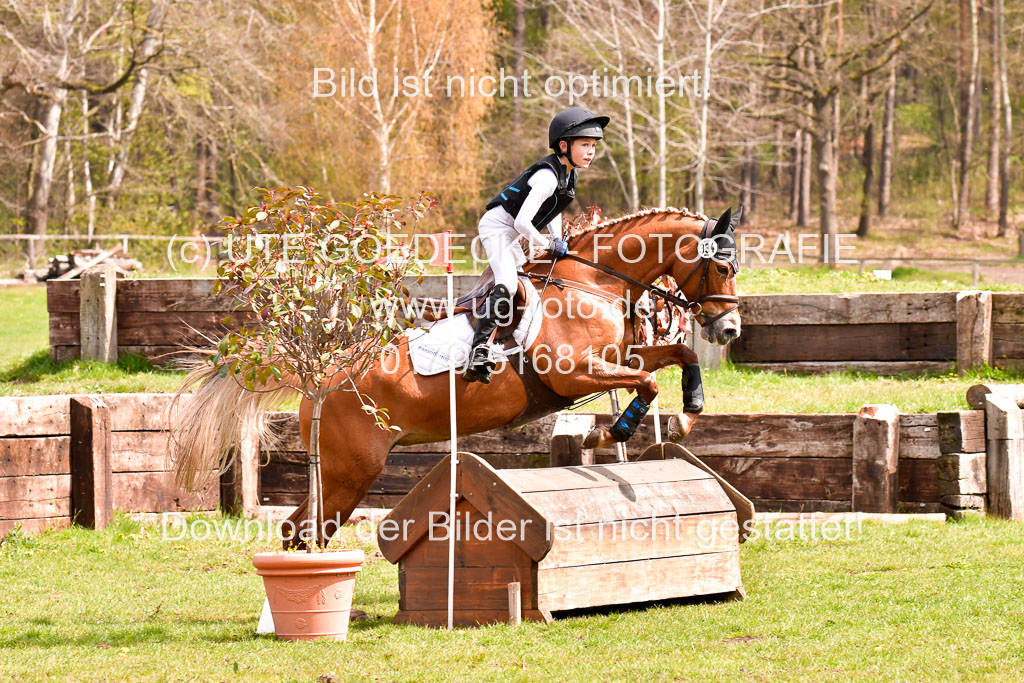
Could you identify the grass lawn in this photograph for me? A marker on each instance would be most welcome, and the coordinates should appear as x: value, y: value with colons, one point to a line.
x: 922, y: 601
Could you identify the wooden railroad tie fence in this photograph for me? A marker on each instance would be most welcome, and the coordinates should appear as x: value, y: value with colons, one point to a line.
x: 886, y: 333
x: 65, y: 457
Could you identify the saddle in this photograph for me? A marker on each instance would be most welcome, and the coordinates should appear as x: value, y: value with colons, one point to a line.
x: 474, y: 302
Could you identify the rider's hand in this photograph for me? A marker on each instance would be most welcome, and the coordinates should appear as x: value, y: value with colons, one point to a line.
x: 558, y: 248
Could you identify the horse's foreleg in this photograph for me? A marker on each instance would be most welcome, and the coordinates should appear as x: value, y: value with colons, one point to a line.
x: 657, y: 357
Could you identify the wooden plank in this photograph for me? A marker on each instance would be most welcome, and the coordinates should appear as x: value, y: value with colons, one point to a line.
x: 744, y: 508
x: 47, y: 495
x: 163, y: 355
x: 515, y: 603
x: 640, y: 581
x: 1008, y: 307
x: 918, y: 482
x: 800, y: 506
x: 787, y: 478
x: 425, y: 588
x: 487, y: 491
x: 973, y: 330
x: 961, y: 474
x: 640, y: 539
x: 33, y: 525
x: 34, y: 416
x: 65, y: 329
x: 760, y: 435
x: 919, y: 437
x: 617, y: 476
x: 897, y: 341
x: 876, y: 448
x: 62, y: 296
x: 239, y: 481
x: 533, y: 438
x: 816, y: 309
x: 977, y: 394
x: 409, y: 521
x: 1005, y: 461
x: 91, y: 494
x: 961, y: 431
x: 1007, y: 342
x: 464, y: 618
x: 139, y: 452
x: 638, y: 501
x: 95, y: 260
x: 567, y: 440
x: 59, y: 354
x: 158, y: 328
x: 171, y: 294
x: 32, y: 455
x: 139, y: 412
x: 156, y: 492
x: 877, y: 367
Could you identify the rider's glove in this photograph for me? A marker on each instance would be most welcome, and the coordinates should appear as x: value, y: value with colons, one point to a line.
x: 558, y: 248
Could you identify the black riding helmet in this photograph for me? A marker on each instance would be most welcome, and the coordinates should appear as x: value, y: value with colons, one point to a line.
x: 575, y: 122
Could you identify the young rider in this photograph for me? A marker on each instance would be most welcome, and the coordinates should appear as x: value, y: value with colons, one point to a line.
x: 535, y: 199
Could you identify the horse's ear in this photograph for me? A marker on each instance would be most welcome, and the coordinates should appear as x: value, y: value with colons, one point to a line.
x: 723, y: 223
x: 736, y: 218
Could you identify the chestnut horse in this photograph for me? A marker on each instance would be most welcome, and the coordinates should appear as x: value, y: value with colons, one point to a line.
x: 586, y: 349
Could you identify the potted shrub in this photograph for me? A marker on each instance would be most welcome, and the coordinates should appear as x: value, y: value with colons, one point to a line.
x: 321, y: 282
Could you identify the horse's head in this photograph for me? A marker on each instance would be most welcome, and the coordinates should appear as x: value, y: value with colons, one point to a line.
x: 706, y: 273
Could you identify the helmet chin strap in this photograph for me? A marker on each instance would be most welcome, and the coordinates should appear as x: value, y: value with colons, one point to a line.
x: 568, y: 154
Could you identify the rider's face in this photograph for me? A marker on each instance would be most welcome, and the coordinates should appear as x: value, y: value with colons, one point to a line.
x: 583, y: 151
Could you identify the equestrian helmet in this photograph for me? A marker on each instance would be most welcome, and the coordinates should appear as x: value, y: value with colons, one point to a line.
x: 575, y: 122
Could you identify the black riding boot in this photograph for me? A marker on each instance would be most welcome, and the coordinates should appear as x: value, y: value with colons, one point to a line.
x: 497, y: 310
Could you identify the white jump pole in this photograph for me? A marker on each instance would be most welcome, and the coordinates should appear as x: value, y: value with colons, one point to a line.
x: 454, y: 434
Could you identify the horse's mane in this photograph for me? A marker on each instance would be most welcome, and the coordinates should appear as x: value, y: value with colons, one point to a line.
x: 588, y: 222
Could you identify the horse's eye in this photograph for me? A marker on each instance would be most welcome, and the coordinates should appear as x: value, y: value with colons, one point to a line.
x: 723, y: 270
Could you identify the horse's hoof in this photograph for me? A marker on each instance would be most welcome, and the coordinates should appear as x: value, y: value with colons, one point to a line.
x: 598, y: 438
x: 680, y: 425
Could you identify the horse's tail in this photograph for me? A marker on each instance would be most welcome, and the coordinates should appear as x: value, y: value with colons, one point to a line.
x: 207, y: 427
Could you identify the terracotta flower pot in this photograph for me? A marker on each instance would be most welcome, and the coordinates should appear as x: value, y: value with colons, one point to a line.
x: 310, y: 594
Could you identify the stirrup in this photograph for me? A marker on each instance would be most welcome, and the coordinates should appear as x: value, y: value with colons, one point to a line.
x: 481, y: 365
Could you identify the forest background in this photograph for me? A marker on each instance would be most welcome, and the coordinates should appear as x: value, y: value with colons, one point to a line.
x: 160, y: 116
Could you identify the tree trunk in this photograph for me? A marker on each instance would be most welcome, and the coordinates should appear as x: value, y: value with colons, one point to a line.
x: 969, y: 72
x: 888, y: 144
x: 867, y: 163
x: 315, y: 507
x: 698, y: 186
x: 803, y: 214
x: 200, y: 175
x: 796, y: 175
x: 827, y: 181
x: 69, y: 196
x: 995, y: 122
x: 37, y: 210
x: 1004, y: 155
x: 90, y: 195
x: 147, y: 48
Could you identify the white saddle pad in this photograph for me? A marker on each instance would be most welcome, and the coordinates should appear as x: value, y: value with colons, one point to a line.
x: 432, y: 349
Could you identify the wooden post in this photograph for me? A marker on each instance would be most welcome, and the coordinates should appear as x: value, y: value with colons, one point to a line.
x: 239, y: 483
x: 98, y: 314
x: 515, y: 603
x: 876, y: 450
x: 976, y: 395
x: 1005, y: 460
x: 962, y: 482
x: 91, y: 504
x: 709, y: 355
x: 567, y: 440
x: 973, y: 330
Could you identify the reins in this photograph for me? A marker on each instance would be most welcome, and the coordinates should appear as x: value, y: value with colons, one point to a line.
x: 696, y: 306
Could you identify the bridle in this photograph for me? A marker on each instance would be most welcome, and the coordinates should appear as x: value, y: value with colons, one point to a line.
x: 696, y: 307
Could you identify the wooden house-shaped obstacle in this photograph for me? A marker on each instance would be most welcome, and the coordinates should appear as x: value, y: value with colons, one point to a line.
x: 572, y: 537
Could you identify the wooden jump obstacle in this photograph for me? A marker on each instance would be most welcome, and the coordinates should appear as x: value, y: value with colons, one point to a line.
x: 565, y: 538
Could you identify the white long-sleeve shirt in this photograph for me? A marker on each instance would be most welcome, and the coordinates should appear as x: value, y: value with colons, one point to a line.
x: 543, y: 184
